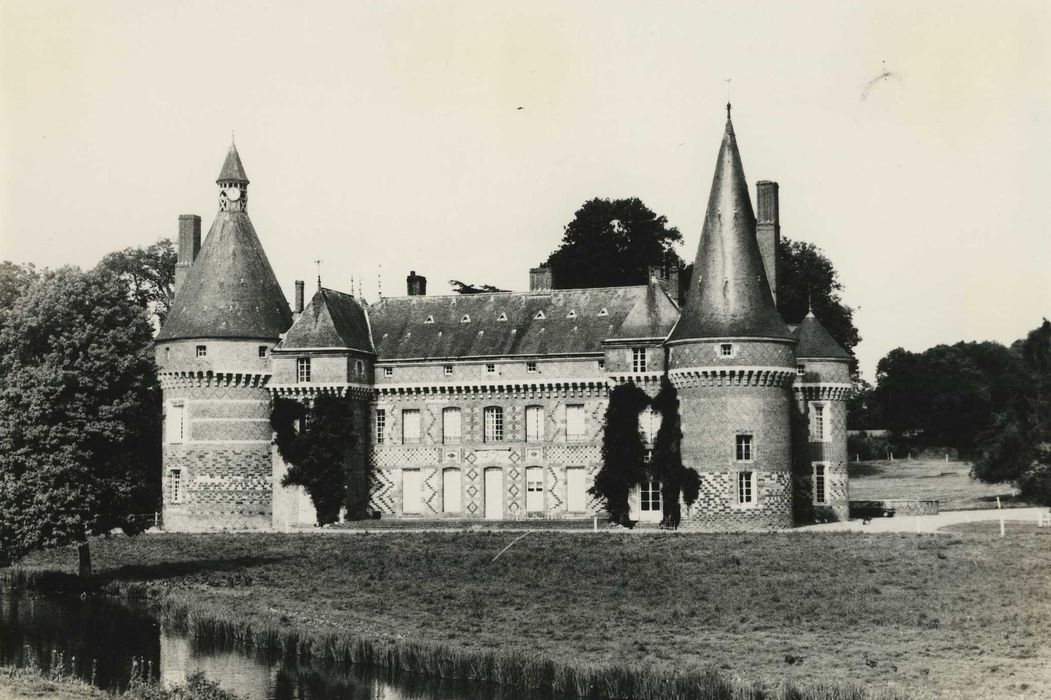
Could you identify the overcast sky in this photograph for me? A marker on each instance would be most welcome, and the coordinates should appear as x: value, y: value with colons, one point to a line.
x: 458, y: 138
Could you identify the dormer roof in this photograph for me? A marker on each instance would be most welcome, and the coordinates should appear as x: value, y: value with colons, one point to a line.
x: 331, y: 320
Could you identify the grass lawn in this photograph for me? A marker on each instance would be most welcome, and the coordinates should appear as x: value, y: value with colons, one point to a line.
x: 21, y: 684
x: 932, y: 615
x: 923, y: 479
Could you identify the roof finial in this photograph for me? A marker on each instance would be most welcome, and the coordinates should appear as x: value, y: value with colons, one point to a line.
x: 809, y: 307
x: 233, y: 141
x: 352, y: 284
x: 318, y: 263
x: 379, y: 282
x: 727, y: 81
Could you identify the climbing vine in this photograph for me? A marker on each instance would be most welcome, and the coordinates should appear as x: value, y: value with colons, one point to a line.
x: 667, y: 467
x: 323, y: 443
x: 623, y: 452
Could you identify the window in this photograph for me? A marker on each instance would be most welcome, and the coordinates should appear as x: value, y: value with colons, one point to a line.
x: 429, y: 319
x: 448, y: 369
x: 381, y: 426
x: 493, y: 420
x: 531, y: 367
x: 502, y: 317
x: 167, y: 354
x: 388, y: 371
x: 650, y: 496
x: 602, y: 364
x: 744, y: 448
x: 410, y: 426
x: 490, y: 368
x: 638, y: 359
x: 818, y: 425
x: 575, y: 422
x: 534, y: 490
x: 800, y: 369
x: 745, y: 488
x: 411, y: 493
x: 359, y: 368
x: 175, y: 429
x: 175, y: 485
x: 302, y: 369
x: 202, y: 351
x: 466, y: 319
x: 262, y: 351
x: 451, y: 485
x: 451, y: 426
x: 726, y: 350
x: 819, y: 484
x: 649, y: 424
x: 534, y: 419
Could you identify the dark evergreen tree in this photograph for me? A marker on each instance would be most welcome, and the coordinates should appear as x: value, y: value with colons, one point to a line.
x: 667, y: 468
x: 623, y: 452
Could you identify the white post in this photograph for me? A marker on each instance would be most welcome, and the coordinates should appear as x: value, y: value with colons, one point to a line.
x: 1001, y: 526
x: 917, y: 524
x: 946, y: 456
x: 998, y: 506
x: 595, y: 523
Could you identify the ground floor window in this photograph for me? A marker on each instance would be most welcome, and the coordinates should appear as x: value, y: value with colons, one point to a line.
x: 534, y: 489
x: 175, y: 485
x: 820, y: 490
x: 745, y: 488
x: 411, y: 500
x: 576, y: 493
x: 451, y: 483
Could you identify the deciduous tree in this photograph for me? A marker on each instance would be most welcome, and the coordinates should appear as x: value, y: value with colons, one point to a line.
x: 149, y: 274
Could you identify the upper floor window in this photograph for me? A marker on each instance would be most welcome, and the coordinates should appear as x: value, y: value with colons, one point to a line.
x: 451, y: 426
x: 202, y: 351
x: 800, y: 369
x: 649, y: 423
x: 175, y: 485
x: 410, y: 426
x: 638, y: 359
x: 726, y: 350
x: 175, y: 422
x: 745, y: 488
x: 602, y: 364
x: 818, y: 432
x: 302, y: 369
x: 381, y: 426
x: 531, y: 367
x: 490, y: 368
x: 820, y: 495
x: 262, y: 351
x: 448, y: 369
x: 575, y: 429
x: 534, y: 423
x: 388, y: 371
x: 744, y: 448
x: 493, y: 424
x: 359, y: 368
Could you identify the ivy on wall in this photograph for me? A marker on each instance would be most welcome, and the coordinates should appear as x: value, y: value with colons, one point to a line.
x: 623, y: 452
x: 667, y: 468
x: 322, y: 444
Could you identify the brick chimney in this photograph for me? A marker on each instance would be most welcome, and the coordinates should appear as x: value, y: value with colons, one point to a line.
x: 416, y: 284
x: 540, y: 279
x: 667, y: 278
x: 768, y: 229
x: 298, y: 308
x: 189, y: 246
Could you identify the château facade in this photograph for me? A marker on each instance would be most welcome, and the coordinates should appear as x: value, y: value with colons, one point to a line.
x: 491, y: 406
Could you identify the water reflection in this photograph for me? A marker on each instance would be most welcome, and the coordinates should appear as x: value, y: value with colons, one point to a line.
x: 100, y: 637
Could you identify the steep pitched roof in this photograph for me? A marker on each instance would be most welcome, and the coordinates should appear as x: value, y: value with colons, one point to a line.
x: 231, y: 290
x: 565, y: 321
x: 729, y: 295
x: 816, y: 342
x: 331, y: 320
x: 233, y: 170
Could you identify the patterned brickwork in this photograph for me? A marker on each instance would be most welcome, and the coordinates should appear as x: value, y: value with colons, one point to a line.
x: 717, y: 508
x: 222, y: 487
x: 746, y: 353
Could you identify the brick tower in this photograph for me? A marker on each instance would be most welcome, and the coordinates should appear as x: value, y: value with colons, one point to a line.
x: 732, y: 358
x: 213, y: 357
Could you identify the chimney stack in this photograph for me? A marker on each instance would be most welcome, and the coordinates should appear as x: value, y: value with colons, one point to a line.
x: 298, y: 308
x: 768, y: 229
x: 417, y: 284
x: 540, y: 279
x: 667, y: 278
x: 189, y: 245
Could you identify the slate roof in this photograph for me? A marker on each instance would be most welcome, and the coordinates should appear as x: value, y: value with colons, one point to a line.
x: 816, y: 342
x: 231, y: 290
x: 233, y: 170
x: 331, y: 320
x: 729, y: 295
x: 568, y: 321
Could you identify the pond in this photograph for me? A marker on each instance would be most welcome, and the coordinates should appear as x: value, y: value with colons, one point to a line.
x: 100, y: 638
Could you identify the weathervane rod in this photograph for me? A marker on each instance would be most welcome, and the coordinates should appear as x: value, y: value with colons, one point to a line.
x: 318, y: 263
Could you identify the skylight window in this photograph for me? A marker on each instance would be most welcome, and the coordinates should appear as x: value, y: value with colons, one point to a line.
x: 571, y: 314
x: 603, y: 312
x: 539, y: 316
x: 466, y: 319
x: 430, y: 319
x: 501, y: 317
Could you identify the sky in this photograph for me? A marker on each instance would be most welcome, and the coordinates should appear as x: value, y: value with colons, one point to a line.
x: 911, y: 141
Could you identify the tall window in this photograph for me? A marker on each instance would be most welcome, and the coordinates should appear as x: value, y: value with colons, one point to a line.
x: 451, y: 426
x: 649, y: 423
x: 175, y: 485
x: 493, y: 419
x: 534, y: 416
x: 410, y: 426
x: 744, y: 448
x: 745, y: 488
x: 534, y: 489
x: 175, y: 430
x: 819, y: 423
x: 381, y: 426
x: 202, y: 351
x: 650, y: 496
x: 575, y: 422
x: 819, y: 484
x: 451, y: 485
x: 638, y: 359
x: 303, y: 369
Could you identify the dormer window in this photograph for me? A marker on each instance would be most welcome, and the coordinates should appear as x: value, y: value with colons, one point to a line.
x: 539, y: 316
x: 466, y: 319
x: 429, y: 319
x: 603, y: 313
x: 571, y: 314
x: 501, y: 317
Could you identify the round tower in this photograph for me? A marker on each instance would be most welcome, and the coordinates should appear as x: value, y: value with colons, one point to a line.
x: 213, y: 358
x: 732, y: 358
x: 821, y: 389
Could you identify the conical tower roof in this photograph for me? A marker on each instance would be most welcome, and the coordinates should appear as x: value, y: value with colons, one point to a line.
x: 233, y: 170
x: 729, y: 294
x: 816, y: 342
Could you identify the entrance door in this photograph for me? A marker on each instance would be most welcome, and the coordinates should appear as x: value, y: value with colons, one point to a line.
x: 411, y: 502
x: 534, y: 490
x: 575, y: 497
x: 494, y: 494
x: 644, y: 502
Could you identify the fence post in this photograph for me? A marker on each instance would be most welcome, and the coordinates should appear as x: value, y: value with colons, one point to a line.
x: 998, y: 506
x: 594, y: 523
x: 1001, y: 526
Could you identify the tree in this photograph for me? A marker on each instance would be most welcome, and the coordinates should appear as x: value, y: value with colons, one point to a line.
x: 14, y: 280
x: 459, y: 287
x: 807, y: 279
x: 613, y: 242
x: 667, y: 467
x: 623, y: 452
x: 149, y: 274
x: 79, y: 413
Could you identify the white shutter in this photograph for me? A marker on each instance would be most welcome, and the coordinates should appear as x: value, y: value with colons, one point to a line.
x: 534, y: 424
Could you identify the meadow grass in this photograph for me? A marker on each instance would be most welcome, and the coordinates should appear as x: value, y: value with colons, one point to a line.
x: 619, y: 615
x: 950, y: 483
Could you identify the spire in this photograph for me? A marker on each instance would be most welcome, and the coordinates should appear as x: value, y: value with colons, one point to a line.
x: 816, y: 342
x: 729, y: 294
x: 233, y: 170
